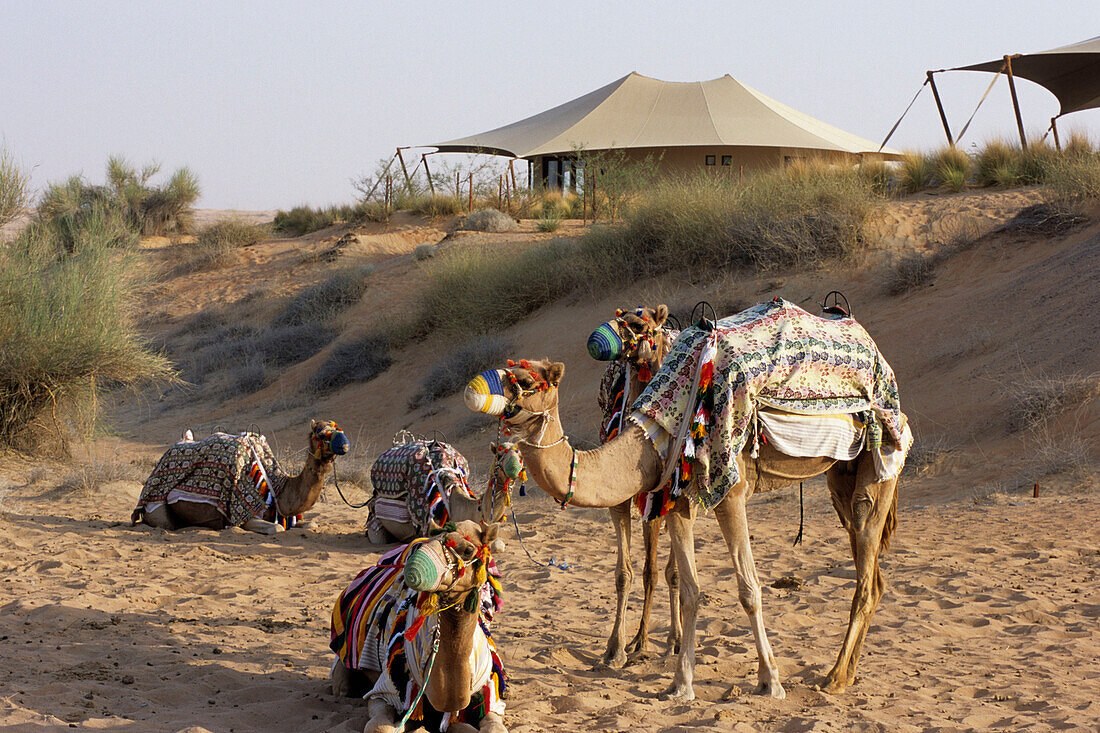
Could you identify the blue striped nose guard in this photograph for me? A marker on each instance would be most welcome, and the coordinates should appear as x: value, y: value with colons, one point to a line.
x: 604, y: 344
x: 485, y: 393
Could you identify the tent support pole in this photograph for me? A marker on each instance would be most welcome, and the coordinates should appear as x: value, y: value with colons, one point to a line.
x: 939, y: 106
x: 1015, y: 102
x: 380, y: 178
x: 428, y: 173
x: 408, y: 181
x: 1054, y: 129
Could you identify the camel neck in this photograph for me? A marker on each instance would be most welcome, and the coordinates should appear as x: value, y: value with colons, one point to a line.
x: 451, y: 680
x: 605, y: 477
x: 301, y: 492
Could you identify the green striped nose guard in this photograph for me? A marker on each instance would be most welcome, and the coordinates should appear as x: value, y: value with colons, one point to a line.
x: 424, y: 569
x: 604, y: 344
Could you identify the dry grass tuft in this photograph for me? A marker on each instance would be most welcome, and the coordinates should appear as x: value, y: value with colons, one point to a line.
x: 926, y: 454
x: 488, y: 220
x: 352, y: 361
x: 909, y: 272
x: 85, y: 478
x: 1036, y: 399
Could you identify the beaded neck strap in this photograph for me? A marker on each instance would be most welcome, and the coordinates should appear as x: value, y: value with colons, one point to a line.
x: 572, y: 481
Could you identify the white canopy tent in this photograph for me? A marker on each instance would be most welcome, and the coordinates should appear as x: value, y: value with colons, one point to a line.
x: 688, y: 125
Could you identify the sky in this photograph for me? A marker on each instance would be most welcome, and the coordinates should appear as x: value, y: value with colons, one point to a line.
x: 275, y: 104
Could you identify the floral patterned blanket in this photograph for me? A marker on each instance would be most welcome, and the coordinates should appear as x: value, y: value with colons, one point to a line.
x: 774, y: 354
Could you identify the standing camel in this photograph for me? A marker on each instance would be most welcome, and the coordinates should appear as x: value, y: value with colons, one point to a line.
x: 417, y: 624
x: 234, y: 481
x: 526, y: 399
x: 635, y: 342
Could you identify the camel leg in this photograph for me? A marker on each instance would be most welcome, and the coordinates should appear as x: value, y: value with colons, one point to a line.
x: 676, y: 627
x: 735, y: 528
x: 650, y: 532
x: 615, y: 656
x: 160, y: 518
x: 261, y: 526
x: 381, y: 717
x: 868, y: 511
x: 681, y: 533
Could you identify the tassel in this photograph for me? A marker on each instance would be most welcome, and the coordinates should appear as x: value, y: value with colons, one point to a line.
x: 414, y: 628
x: 472, y: 602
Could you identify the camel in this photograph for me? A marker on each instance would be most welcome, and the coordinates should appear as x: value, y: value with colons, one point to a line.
x: 419, y: 596
x: 526, y: 398
x: 635, y: 342
x: 419, y: 486
x: 234, y: 480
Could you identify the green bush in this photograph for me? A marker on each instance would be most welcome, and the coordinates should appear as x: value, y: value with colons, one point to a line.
x: 215, y: 245
x: 14, y: 188
x: 997, y: 163
x: 548, y: 224
x: 433, y: 205
x: 917, y: 172
x: 305, y: 219
x: 952, y: 167
x: 66, y: 335
x: 1075, y: 179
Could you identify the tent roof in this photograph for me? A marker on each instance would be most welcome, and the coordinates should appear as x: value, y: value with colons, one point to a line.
x: 1071, y: 73
x: 639, y: 112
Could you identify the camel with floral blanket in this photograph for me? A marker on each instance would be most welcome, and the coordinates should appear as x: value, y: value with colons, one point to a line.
x: 700, y: 411
x: 635, y: 343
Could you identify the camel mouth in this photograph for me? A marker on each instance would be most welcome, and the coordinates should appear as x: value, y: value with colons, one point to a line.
x: 605, y: 344
x: 485, y: 393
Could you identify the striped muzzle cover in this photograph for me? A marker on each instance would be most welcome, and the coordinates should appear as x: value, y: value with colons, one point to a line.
x: 604, y: 344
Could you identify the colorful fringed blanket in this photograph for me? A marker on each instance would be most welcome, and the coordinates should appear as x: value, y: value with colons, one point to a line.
x: 238, y: 474
x: 413, y: 483
x: 612, y: 398
x: 377, y: 625
x: 774, y: 354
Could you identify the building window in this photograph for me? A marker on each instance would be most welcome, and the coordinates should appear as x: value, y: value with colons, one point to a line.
x: 727, y: 160
x: 710, y: 160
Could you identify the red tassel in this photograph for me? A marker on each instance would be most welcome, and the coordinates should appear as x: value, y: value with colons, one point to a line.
x: 414, y: 629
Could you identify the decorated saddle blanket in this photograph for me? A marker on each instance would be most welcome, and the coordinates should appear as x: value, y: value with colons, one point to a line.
x: 238, y: 474
x: 413, y: 483
x: 772, y: 355
x: 612, y: 399
x: 378, y: 625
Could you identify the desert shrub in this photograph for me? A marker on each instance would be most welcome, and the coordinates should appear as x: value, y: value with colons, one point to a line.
x: 877, y: 175
x: 1075, y: 179
x: 910, y: 272
x: 548, y: 223
x: 93, y: 225
x: 997, y: 163
x: 1035, y: 163
x: 353, y: 361
x: 324, y: 301
x: 68, y: 334
x: 917, y: 173
x: 1078, y: 143
x: 791, y: 217
x: 302, y: 220
x: 86, y: 477
x: 424, y: 252
x: 1045, y: 218
x: 451, y: 373
x: 215, y: 245
x: 434, y: 204
x: 952, y: 167
x: 477, y: 290
x: 1037, y: 398
x: 488, y: 220
x: 14, y: 188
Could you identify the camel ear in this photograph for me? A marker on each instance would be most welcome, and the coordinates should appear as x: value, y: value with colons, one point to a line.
x: 312, y: 424
x: 490, y: 533
x: 660, y: 315
x: 555, y: 372
x: 493, y: 447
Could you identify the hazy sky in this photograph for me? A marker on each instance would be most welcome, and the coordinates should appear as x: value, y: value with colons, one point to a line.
x: 274, y: 104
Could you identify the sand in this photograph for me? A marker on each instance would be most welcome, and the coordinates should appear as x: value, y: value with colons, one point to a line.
x: 990, y: 615
x: 989, y: 621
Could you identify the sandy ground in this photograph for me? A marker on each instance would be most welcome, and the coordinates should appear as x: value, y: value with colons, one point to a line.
x: 990, y: 616
x: 989, y: 620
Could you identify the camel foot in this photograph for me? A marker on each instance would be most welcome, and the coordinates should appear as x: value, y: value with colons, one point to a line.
x: 680, y: 691
x: 638, y: 644
x: 310, y: 524
x: 673, y: 648
x: 638, y: 657
x: 835, y: 684
x: 612, y: 659
x: 771, y: 689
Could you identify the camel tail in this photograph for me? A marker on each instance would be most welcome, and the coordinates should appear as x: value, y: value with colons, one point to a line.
x: 891, y: 523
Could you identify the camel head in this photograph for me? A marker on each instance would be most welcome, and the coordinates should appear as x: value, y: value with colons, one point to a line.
x: 454, y: 563
x: 630, y: 336
x: 523, y: 396
x: 507, y: 469
x: 326, y: 441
